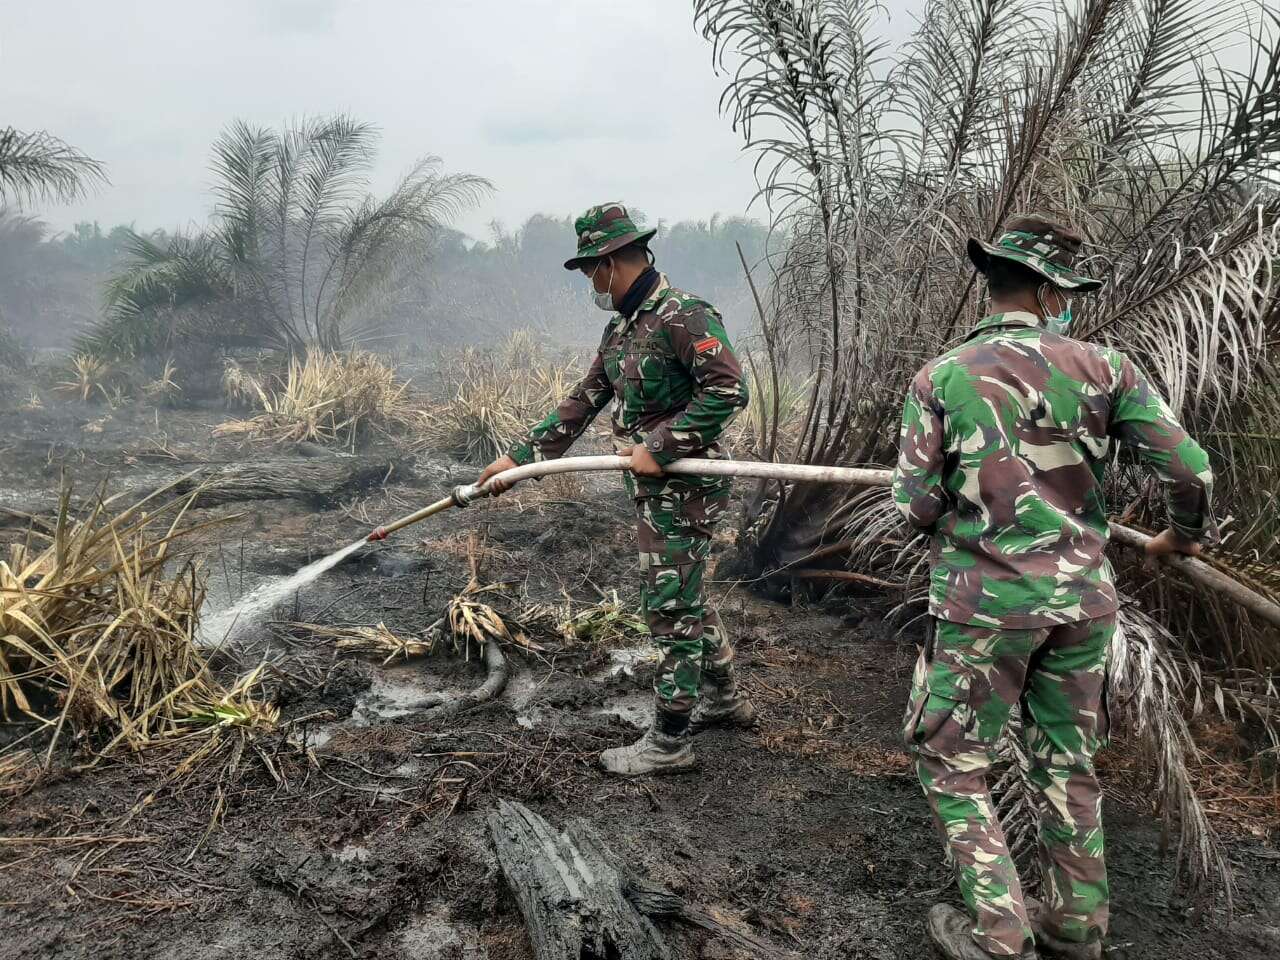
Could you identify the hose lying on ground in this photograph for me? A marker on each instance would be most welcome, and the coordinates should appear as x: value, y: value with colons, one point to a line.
x: 495, y: 682
x: 1197, y: 570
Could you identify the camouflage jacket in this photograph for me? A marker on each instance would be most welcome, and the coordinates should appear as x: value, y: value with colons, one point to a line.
x: 1003, y: 447
x: 675, y: 381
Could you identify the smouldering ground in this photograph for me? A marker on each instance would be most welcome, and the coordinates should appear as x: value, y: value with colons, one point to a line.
x: 358, y: 829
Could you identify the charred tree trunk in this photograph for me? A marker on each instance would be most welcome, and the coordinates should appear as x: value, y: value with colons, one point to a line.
x: 581, y: 902
x: 570, y: 890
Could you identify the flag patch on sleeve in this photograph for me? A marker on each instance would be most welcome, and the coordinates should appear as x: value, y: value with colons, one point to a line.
x: 702, y: 346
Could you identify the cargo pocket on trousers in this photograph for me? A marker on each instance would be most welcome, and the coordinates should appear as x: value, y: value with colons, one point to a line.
x: 939, y: 716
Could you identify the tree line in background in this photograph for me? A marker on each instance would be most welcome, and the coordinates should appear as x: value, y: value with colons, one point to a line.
x: 299, y: 253
x: 516, y: 279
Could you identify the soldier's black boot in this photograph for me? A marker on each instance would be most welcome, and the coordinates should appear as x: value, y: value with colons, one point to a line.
x: 722, y: 704
x: 951, y: 931
x: 665, y: 748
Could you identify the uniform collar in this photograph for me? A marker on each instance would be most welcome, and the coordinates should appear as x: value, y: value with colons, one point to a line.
x: 1014, y: 318
x: 650, y: 303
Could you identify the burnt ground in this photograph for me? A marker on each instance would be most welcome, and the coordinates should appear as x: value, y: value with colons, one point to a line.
x: 359, y: 828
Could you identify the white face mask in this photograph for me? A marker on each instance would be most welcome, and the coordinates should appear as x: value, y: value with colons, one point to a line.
x: 602, y: 300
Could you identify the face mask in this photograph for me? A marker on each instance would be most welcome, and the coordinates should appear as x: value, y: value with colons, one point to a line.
x: 1059, y: 324
x: 602, y: 300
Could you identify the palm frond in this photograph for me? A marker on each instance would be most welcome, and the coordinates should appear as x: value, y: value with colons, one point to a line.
x: 39, y: 166
x: 157, y: 278
x: 1147, y: 688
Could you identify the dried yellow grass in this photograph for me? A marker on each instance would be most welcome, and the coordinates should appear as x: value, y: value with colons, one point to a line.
x: 377, y: 640
x: 329, y: 398
x: 19, y: 771
x: 86, y: 375
x: 606, y: 624
x: 164, y: 388
x: 240, y: 387
x: 471, y: 620
x: 496, y: 395
x: 97, y: 627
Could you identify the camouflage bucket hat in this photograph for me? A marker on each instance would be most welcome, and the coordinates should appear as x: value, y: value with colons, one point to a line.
x: 1045, y: 247
x: 604, y: 229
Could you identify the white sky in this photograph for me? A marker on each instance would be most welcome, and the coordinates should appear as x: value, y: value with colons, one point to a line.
x: 562, y: 103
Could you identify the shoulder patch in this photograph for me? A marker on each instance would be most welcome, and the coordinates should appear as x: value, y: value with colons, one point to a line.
x: 702, y: 346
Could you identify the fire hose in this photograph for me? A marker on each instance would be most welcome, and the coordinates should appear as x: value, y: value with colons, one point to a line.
x: 462, y: 496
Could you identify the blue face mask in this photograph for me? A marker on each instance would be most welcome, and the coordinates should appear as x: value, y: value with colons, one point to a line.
x: 1059, y: 324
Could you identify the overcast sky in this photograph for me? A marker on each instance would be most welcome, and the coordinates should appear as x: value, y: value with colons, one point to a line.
x: 561, y: 103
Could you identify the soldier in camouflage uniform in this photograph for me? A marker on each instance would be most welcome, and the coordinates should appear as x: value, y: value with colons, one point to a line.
x: 1004, y: 443
x: 667, y: 365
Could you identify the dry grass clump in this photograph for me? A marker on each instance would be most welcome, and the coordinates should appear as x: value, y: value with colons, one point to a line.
x: 163, y: 389
x: 606, y: 624
x: 19, y: 771
x: 86, y: 375
x: 753, y: 431
x: 377, y: 640
x: 241, y: 387
x: 472, y: 621
x: 495, y: 396
x: 322, y: 398
x: 97, y: 621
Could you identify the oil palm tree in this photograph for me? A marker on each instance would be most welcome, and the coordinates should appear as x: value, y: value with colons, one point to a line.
x: 298, y: 250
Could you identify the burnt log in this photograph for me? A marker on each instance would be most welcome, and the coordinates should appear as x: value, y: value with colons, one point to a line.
x: 317, y: 481
x: 581, y: 902
x: 570, y: 891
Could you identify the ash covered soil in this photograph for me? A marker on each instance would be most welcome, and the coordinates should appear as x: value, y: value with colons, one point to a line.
x: 358, y: 829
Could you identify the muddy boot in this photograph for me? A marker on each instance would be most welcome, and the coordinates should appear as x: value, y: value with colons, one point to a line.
x: 722, y: 704
x: 1050, y: 947
x: 951, y: 931
x: 665, y: 748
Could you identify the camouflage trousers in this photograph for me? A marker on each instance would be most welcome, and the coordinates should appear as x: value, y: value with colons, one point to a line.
x: 673, y: 530
x: 966, y: 683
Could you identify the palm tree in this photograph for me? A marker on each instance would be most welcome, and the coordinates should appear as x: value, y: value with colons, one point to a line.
x: 876, y: 163
x: 39, y: 166
x: 298, y: 251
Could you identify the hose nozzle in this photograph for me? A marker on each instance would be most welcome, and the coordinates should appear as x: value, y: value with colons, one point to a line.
x: 380, y: 534
x: 467, y: 494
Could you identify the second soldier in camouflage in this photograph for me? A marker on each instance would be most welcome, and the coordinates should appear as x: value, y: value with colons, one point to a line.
x: 666, y: 363
x: 1004, y: 444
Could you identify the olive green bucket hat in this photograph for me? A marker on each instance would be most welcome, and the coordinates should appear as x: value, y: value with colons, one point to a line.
x: 1043, y: 246
x: 604, y: 229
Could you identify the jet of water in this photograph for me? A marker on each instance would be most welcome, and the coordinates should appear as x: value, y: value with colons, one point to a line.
x: 252, y: 606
